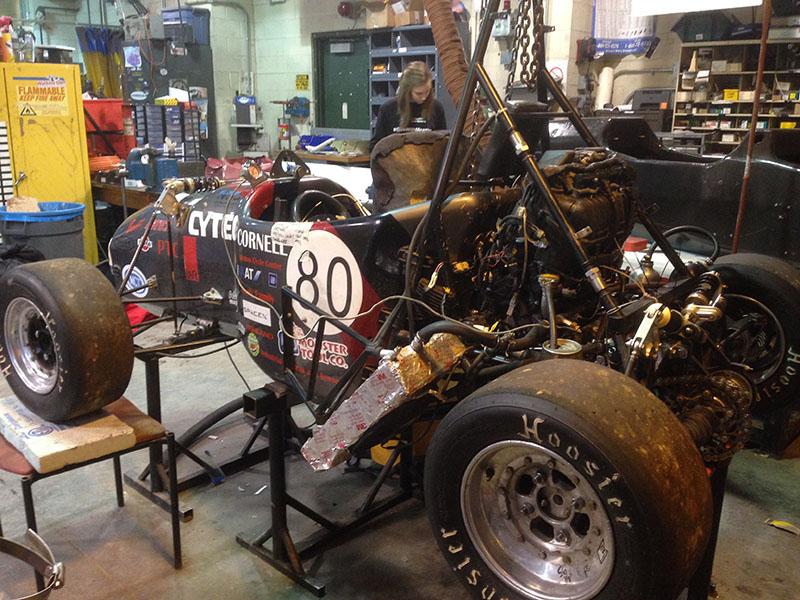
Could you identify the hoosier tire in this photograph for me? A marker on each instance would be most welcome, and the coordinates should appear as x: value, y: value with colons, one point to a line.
x: 768, y: 290
x: 564, y: 480
x: 66, y: 347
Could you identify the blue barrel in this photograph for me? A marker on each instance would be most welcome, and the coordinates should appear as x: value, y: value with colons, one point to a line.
x: 56, y: 231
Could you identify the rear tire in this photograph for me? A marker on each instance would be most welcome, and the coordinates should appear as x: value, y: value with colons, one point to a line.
x: 564, y: 480
x: 66, y: 348
x: 770, y: 287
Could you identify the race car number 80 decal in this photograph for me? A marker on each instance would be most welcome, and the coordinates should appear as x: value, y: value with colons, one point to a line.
x: 321, y: 269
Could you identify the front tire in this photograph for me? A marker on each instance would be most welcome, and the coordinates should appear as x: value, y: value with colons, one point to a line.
x: 564, y: 480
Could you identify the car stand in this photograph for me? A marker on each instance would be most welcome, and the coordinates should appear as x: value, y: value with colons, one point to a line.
x: 285, y: 556
x: 154, y: 490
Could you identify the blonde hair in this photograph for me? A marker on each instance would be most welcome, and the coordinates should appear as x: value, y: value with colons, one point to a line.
x: 414, y: 75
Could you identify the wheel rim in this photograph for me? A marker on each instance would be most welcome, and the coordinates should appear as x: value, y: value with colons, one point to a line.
x: 30, y: 345
x: 754, y: 336
x: 536, y: 522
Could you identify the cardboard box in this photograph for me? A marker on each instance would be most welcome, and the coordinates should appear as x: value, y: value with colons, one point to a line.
x: 788, y: 124
x: 747, y: 95
x: 378, y: 18
x: 797, y: 109
x: 407, y: 12
x: 409, y: 17
x: 719, y: 65
x: 730, y: 95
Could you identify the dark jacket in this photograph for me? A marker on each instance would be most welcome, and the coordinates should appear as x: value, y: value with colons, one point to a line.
x: 389, y: 119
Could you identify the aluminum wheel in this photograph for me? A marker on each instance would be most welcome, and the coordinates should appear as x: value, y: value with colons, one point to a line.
x: 30, y: 344
x: 536, y: 522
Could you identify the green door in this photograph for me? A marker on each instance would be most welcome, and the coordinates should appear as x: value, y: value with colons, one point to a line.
x: 345, y: 81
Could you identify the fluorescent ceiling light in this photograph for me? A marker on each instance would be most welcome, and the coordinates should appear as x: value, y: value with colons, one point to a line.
x: 644, y: 8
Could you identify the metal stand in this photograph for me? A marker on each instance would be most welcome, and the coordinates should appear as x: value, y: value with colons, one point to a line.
x: 700, y: 586
x: 285, y: 556
x: 156, y: 471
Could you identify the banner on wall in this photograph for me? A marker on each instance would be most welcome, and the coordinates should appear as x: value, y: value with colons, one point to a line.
x: 618, y: 31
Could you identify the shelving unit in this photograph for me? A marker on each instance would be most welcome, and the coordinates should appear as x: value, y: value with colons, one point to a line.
x: 391, y: 50
x: 706, y: 106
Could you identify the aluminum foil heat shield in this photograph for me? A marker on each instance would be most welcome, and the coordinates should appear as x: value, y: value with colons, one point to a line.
x: 394, y: 382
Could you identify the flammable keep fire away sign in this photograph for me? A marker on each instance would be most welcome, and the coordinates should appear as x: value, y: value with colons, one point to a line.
x: 41, y: 96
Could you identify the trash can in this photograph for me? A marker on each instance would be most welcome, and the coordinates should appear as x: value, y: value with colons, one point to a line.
x: 56, y: 231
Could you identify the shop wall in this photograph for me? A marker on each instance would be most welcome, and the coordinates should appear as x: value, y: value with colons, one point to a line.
x: 284, y: 48
x: 58, y: 27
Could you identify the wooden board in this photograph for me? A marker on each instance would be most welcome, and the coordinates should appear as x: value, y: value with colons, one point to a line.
x: 51, y: 446
x: 358, y: 159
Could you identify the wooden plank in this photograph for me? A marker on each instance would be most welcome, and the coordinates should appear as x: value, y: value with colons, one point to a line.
x: 337, y: 159
x: 51, y: 446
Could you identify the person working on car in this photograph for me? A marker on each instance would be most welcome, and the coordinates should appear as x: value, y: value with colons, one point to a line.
x: 414, y: 105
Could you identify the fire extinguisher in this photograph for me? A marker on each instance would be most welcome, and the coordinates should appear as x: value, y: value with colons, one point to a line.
x: 283, y: 129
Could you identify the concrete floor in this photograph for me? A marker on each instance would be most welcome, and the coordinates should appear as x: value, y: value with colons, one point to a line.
x: 125, y: 553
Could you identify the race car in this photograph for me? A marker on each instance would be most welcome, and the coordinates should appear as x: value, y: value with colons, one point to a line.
x: 583, y: 401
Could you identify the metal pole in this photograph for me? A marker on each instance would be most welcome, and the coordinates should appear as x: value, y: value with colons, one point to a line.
x: 153, y: 393
x: 766, y: 12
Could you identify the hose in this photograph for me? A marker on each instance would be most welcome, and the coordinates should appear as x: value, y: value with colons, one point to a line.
x: 448, y: 43
x: 686, y: 229
x: 490, y: 340
x: 465, y: 332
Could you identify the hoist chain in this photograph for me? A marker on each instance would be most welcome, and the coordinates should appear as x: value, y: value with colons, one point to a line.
x: 527, y: 46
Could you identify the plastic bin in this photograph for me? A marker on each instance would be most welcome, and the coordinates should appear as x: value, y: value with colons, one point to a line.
x: 56, y: 231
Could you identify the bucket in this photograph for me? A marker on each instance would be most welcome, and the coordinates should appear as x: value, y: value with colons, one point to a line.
x: 56, y: 231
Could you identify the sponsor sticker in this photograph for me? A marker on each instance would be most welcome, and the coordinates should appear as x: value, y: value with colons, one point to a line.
x: 256, y: 313
x: 253, y: 347
x: 136, y: 280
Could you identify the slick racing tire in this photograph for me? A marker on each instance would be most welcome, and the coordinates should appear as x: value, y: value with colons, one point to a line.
x: 566, y: 480
x: 66, y: 347
x: 763, y: 324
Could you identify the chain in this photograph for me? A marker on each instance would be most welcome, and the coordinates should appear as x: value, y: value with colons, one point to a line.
x: 526, y: 50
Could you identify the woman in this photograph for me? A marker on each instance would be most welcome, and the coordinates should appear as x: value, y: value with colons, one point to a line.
x: 413, y: 104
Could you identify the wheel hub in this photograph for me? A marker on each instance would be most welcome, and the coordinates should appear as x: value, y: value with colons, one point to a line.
x: 30, y: 344
x: 537, y: 522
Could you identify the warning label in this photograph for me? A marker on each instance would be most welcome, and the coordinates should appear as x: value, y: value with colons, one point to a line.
x: 41, y: 96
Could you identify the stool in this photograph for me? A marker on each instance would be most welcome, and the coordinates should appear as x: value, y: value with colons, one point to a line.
x: 149, y: 433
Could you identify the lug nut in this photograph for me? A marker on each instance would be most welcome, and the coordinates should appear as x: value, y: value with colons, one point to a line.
x: 578, y: 503
x: 543, y: 555
x: 567, y: 560
x: 526, y: 509
x: 539, y: 477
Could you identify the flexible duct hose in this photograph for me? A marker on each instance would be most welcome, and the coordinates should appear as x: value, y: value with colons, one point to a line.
x: 450, y: 47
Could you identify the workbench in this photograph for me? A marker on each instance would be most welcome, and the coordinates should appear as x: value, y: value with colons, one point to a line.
x: 112, y: 194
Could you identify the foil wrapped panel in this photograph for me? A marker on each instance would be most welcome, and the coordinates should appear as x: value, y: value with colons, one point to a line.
x: 394, y: 382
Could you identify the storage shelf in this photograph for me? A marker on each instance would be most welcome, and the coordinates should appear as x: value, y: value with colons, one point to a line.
x: 404, y: 51
x: 384, y: 76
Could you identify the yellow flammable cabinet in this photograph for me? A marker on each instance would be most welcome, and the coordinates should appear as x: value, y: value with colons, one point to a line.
x: 43, y: 139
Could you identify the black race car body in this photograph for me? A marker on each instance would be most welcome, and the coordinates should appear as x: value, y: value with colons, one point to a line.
x: 343, y: 266
x: 681, y: 188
